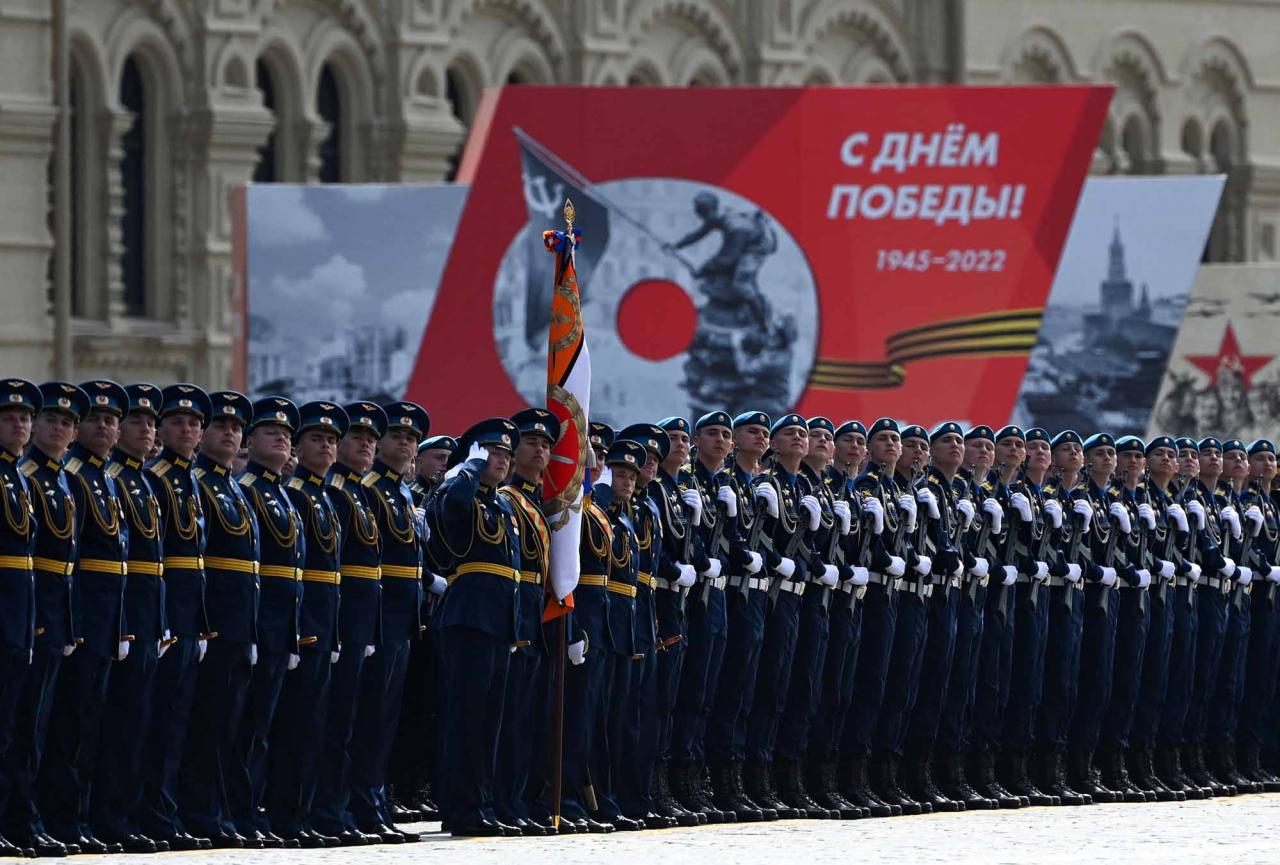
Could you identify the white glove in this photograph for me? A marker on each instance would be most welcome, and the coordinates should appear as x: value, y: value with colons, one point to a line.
x: 421, y: 514
x: 1178, y: 516
x: 477, y: 452
x: 1010, y: 575
x: 1197, y: 510
x: 1147, y: 515
x: 31, y: 654
x: 754, y: 563
x: 122, y: 650
x: 714, y: 567
x: 907, y: 504
x: 810, y: 504
x: 729, y: 499
x: 924, y: 565
x: 1273, y: 574
x: 1084, y: 509
x: 67, y: 650
x: 958, y: 569
x: 1022, y: 505
x: 980, y: 567
x: 861, y: 574
x: 1042, y: 571
x: 873, y: 508
x: 770, y: 496
x: 786, y: 567
x: 1194, y: 573
x: 897, y: 566
x: 830, y: 575
x: 1054, y: 511
x: 1166, y: 569
x: 577, y: 652
x: 1232, y: 519
x: 925, y: 496
x: 687, y: 575
x: 604, y: 477
x: 995, y: 514
x: 437, y: 585
x: 204, y: 647
x: 693, y: 502
x: 1144, y: 578
x: 1228, y: 567
x: 253, y: 654
x: 1254, y: 515
x: 964, y: 508
x: 1108, y: 577
x: 333, y: 657
x: 1121, y: 514
x: 1073, y: 572
x: 294, y: 660
x: 1244, y: 576
x: 845, y: 515
x: 369, y: 650
x: 163, y: 644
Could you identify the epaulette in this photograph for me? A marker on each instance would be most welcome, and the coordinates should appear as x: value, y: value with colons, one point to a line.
x: 247, y: 479
x: 1051, y: 488
x: 337, y: 481
x: 198, y: 472
x: 114, y: 469
x: 369, y: 480
x: 160, y: 467
x: 73, y: 465
x: 987, y: 486
x: 294, y: 483
x: 7, y: 457
x: 28, y: 468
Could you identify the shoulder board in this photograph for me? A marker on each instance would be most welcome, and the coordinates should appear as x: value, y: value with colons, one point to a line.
x: 198, y: 472
x: 28, y: 468
x: 337, y: 481
x: 73, y: 465
x: 294, y: 483
x: 987, y: 486
x: 369, y: 480
x: 114, y: 469
x: 1051, y: 489
x: 160, y: 467
x: 247, y: 479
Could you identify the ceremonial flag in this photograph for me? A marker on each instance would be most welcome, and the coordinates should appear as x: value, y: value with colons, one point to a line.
x: 568, y: 398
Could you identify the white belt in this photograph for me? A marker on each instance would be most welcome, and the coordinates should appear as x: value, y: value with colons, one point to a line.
x: 669, y: 585
x: 923, y: 590
x: 850, y: 589
x: 956, y: 581
x: 715, y: 582
x: 795, y: 587
x: 753, y: 583
x: 1054, y: 582
x: 1184, y: 580
x: 1222, y: 584
x: 880, y: 579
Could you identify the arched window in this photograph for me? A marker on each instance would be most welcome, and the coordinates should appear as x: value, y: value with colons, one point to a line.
x: 329, y: 107
x: 133, y: 177
x: 267, y: 170
x: 1221, y: 158
x: 79, y: 192
x: 1133, y: 141
x: 459, y: 96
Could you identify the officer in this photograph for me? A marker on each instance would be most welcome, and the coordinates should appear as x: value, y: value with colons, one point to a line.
x: 600, y: 437
x: 300, y: 720
x: 681, y: 557
x: 1037, y: 517
x: 1065, y: 601
x: 781, y: 491
x: 358, y: 620
x: 973, y: 485
x: 282, y: 548
x: 911, y: 616
x: 1166, y: 563
x: 184, y: 410
x: 942, y: 544
x: 844, y: 624
x: 430, y: 464
x: 52, y: 432
x: 477, y: 622
x: 20, y: 401
x: 127, y: 711
x: 383, y: 681
x: 231, y: 601
x: 524, y: 730
x: 634, y: 782
x: 746, y: 600
x: 1264, y: 638
x: 101, y: 631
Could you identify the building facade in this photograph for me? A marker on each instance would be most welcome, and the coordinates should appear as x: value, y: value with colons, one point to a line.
x: 171, y: 103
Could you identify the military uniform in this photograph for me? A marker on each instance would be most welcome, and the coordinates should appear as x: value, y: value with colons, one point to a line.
x: 102, y: 634
x: 1264, y: 637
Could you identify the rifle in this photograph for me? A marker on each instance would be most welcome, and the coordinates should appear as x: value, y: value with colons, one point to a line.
x: 681, y: 592
x: 788, y: 552
x: 980, y: 546
x: 717, y: 539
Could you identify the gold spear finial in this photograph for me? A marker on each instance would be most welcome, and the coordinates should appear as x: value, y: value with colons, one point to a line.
x: 569, y: 213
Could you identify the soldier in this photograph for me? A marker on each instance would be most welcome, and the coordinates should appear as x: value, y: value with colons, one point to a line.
x: 477, y: 622
x: 20, y: 401
x: 600, y: 437
x: 300, y: 721
x: 382, y: 683
x: 1065, y: 616
x: 56, y: 632
x: 101, y: 630
x: 681, y: 554
x: 1264, y: 635
x: 128, y: 700
x: 524, y: 730
x: 942, y: 545
x: 184, y: 410
x: 231, y: 601
x: 358, y: 620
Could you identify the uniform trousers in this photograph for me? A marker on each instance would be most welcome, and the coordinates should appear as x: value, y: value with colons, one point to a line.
x: 1261, y: 669
x: 1155, y: 667
x: 636, y: 751
x: 839, y: 668
x: 935, y: 672
x: 1097, y: 663
x: 879, y: 616
x: 906, y: 657
x: 247, y: 786
x: 956, y: 720
x: 1061, y: 667
x: 377, y: 717
x: 805, y: 688
x: 586, y: 693
x: 126, y: 718
x: 1132, y: 620
x: 211, y: 758
x: 1224, y: 707
x: 70, y: 760
x: 524, y: 732
x: 773, y: 676
x: 726, y: 736
x: 1182, y: 666
x: 707, y: 631
x: 297, y: 736
x: 473, y: 666
x: 671, y: 652
x: 1211, y: 631
x: 1026, y: 681
x: 329, y: 814
x: 21, y: 765
x: 995, y: 671
x: 172, y: 699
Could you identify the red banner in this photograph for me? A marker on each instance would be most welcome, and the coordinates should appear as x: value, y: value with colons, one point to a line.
x: 882, y: 251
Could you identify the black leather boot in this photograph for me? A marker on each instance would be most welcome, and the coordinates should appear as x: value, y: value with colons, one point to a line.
x: 856, y: 787
x: 1086, y: 778
x: 759, y: 778
x: 884, y: 781
x: 925, y: 789
x: 988, y: 785
x: 957, y: 786
x: 725, y: 796
x: 1054, y: 773
x: 822, y: 787
x: 739, y: 787
x: 1019, y: 782
x: 667, y: 805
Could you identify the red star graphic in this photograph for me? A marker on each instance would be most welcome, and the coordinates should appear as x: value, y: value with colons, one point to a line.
x: 1229, y: 357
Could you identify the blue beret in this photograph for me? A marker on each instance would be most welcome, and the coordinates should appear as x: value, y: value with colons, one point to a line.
x: 1210, y: 443
x: 600, y: 434
x: 649, y: 436
x: 232, y: 404
x: 106, y: 395
x: 1066, y: 437
x: 408, y: 415
x: 1129, y: 443
x: 1098, y: 440
x: 949, y: 427
x: 275, y: 410
x: 751, y: 418
x: 914, y: 431
x: 981, y: 431
x: 366, y: 415
x: 625, y: 452
x: 185, y: 399
x: 714, y: 418
x: 1038, y: 434
x: 884, y: 423
x: 65, y: 397
x: 1262, y: 446
x: 1011, y: 431
x: 20, y: 393
x: 438, y: 443
x: 822, y: 423
x: 144, y: 398
x: 851, y: 426
x: 1188, y: 443
x: 674, y: 424
x: 788, y: 420
x: 1232, y: 445
x: 1161, y: 442
x: 539, y: 422
x: 322, y: 415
